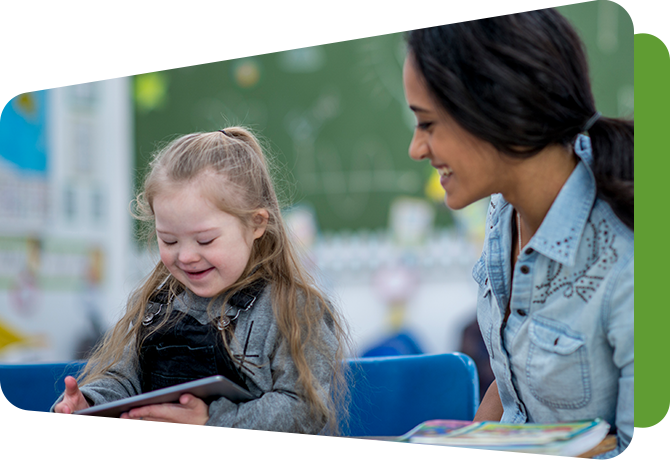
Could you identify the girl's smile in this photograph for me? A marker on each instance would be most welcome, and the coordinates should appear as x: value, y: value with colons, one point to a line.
x: 205, y: 248
x: 198, y: 275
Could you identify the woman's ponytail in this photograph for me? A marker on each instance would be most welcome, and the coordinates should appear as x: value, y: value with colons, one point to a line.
x: 612, y: 144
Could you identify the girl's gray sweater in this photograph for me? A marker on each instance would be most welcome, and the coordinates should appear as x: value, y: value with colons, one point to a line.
x: 264, y: 360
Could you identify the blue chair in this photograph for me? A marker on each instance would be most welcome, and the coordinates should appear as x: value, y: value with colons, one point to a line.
x: 391, y: 395
x: 401, y: 343
x: 36, y: 386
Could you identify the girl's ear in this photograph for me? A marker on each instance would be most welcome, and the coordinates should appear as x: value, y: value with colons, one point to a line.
x: 260, y: 222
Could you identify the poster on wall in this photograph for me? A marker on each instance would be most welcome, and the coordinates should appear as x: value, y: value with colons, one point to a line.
x: 55, y: 223
x: 23, y: 144
x: 23, y: 209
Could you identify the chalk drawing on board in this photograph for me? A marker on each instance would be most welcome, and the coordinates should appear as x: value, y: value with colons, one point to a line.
x: 303, y: 126
x: 228, y: 108
x: 626, y: 101
x: 381, y: 51
x: 346, y: 181
x: 349, y: 188
x: 608, y: 25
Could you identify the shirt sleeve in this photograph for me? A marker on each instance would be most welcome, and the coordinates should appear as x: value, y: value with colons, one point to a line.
x: 620, y: 334
x: 282, y: 408
x: 120, y: 381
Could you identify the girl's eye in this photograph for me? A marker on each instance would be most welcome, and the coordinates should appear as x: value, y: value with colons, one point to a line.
x: 424, y: 126
x: 204, y: 243
x: 168, y: 243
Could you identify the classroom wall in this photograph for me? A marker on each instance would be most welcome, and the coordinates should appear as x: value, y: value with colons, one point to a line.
x: 65, y: 175
x: 335, y: 118
x: 370, y: 219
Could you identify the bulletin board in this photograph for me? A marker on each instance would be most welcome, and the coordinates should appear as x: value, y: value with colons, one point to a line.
x: 321, y: 82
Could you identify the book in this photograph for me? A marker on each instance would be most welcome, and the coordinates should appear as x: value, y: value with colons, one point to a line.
x: 567, y: 439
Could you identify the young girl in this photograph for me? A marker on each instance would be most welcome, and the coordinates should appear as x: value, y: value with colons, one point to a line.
x: 228, y: 297
x: 502, y: 105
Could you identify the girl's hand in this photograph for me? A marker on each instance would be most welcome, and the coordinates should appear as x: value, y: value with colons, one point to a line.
x: 77, y: 427
x: 190, y: 410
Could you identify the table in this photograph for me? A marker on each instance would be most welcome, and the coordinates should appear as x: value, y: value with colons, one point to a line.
x: 353, y: 453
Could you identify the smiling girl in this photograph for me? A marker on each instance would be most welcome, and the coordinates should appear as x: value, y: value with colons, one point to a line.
x: 227, y: 297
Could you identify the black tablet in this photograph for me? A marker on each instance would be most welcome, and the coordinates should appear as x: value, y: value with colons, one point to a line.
x: 207, y: 389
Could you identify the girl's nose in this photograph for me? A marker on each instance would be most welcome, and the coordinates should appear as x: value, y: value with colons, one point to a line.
x: 418, y: 148
x: 188, y: 255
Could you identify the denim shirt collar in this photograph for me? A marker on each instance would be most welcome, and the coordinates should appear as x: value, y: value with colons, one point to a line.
x: 560, y: 232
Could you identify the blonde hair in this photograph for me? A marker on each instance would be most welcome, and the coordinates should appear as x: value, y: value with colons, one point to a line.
x: 235, y: 159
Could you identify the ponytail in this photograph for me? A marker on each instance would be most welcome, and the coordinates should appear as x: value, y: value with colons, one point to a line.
x: 612, y: 144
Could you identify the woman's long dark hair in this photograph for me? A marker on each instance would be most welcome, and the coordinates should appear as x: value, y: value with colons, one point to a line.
x: 521, y: 83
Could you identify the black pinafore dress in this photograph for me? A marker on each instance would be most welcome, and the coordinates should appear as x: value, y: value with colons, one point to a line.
x: 184, y: 349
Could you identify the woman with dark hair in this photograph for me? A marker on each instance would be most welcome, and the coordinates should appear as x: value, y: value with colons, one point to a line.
x: 504, y: 109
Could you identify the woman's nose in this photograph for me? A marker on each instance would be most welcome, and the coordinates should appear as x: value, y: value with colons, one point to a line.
x: 418, y: 149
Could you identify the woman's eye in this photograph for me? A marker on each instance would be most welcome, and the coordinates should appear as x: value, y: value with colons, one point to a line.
x: 424, y: 126
x: 168, y: 243
x: 204, y: 243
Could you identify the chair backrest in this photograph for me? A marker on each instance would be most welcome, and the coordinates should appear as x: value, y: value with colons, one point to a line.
x: 36, y: 386
x: 401, y: 343
x: 391, y: 395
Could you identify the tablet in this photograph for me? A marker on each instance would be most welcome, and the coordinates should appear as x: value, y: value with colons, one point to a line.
x: 207, y: 389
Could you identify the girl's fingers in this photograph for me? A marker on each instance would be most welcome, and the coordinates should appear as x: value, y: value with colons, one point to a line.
x: 71, y: 387
x: 73, y: 399
x: 62, y: 408
x: 78, y: 427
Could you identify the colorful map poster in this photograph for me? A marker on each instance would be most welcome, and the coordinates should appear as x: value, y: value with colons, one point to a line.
x: 23, y: 153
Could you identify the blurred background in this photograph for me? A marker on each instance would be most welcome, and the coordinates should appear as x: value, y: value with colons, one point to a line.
x: 371, y: 222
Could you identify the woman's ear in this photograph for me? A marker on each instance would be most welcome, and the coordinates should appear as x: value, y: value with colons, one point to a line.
x: 260, y: 222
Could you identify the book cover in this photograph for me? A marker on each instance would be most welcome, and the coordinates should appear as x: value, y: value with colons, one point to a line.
x: 496, y: 433
x: 569, y: 439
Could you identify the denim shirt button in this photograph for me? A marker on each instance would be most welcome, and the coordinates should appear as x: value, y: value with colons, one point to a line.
x: 524, y: 269
x: 521, y: 312
x: 529, y: 251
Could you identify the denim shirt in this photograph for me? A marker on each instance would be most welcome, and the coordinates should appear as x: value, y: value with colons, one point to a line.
x: 566, y: 350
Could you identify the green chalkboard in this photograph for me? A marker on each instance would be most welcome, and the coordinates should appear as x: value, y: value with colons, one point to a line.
x: 334, y: 116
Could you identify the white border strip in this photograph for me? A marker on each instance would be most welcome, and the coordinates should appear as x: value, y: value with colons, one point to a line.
x: 652, y: 444
x: 302, y: 449
x: 652, y: 15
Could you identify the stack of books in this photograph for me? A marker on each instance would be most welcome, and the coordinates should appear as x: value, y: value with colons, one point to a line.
x: 566, y: 439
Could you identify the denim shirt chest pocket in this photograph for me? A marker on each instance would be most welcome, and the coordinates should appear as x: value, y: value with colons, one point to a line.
x: 557, y: 368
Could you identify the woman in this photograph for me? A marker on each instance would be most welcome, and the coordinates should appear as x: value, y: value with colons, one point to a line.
x: 502, y: 105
